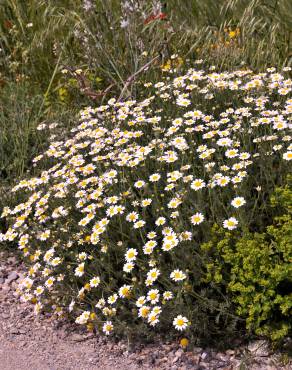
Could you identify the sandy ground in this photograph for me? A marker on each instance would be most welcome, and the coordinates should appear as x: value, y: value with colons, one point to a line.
x: 28, y: 342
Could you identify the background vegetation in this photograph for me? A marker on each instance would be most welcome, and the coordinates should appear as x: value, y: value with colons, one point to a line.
x: 110, y: 41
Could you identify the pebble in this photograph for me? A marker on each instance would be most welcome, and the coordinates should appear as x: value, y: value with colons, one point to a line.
x: 11, y: 277
x: 259, y: 348
x: 204, y: 355
x: 179, y: 353
x: 176, y: 358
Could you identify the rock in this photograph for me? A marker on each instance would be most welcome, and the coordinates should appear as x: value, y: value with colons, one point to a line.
x: 12, y: 260
x: 6, y: 288
x: 220, y: 364
x: 179, y: 353
x: 204, y: 355
x: 197, y: 350
x: 221, y: 357
x: 259, y: 348
x: 175, y: 359
x: 77, y: 338
x: 80, y: 337
x: 11, y: 277
x: 194, y: 359
x: 14, y: 331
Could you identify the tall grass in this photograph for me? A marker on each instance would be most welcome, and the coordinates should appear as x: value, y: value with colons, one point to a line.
x: 264, y: 38
x: 109, y: 37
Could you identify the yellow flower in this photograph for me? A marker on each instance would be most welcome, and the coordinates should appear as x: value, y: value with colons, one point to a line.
x: 90, y: 326
x: 93, y: 316
x: 232, y: 34
x: 166, y: 67
x: 87, y: 238
x: 184, y: 342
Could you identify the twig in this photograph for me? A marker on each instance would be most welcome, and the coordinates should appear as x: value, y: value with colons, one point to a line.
x: 132, y: 77
x: 84, y: 86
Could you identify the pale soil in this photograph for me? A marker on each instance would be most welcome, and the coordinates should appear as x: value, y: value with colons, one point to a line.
x: 41, y: 343
x: 27, y: 343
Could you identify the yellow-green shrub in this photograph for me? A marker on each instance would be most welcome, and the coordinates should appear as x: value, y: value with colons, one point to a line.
x: 257, y: 270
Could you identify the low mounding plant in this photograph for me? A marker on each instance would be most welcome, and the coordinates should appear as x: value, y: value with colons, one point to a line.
x: 112, y: 230
x: 257, y: 270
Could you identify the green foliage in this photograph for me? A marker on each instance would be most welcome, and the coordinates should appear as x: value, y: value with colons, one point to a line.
x: 23, y: 112
x: 256, y: 269
x: 19, y: 139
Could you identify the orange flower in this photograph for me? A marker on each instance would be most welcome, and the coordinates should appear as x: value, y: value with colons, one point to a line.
x: 154, y: 17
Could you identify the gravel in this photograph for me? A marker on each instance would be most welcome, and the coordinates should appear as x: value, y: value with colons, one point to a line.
x: 28, y: 342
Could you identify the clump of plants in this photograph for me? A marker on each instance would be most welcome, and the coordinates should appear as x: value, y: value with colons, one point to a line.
x: 256, y: 269
x: 114, y: 231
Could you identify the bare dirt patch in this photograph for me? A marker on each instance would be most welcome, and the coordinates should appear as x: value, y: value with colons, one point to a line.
x: 28, y: 342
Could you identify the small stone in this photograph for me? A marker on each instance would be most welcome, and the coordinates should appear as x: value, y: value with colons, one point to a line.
x: 76, y: 338
x: 204, y: 355
x: 220, y: 364
x: 14, y: 331
x: 12, y: 260
x: 179, y: 353
x: 6, y: 288
x: 194, y: 359
x: 259, y: 348
x: 197, y: 350
x: 175, y: 359
x: 11, y: 277
x: 221, y: 356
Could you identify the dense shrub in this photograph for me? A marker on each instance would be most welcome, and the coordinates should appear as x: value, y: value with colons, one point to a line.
x: 257, y: 271
x: 113, y: 230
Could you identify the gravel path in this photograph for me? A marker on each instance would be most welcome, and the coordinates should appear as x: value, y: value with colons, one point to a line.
x: 28, y: 342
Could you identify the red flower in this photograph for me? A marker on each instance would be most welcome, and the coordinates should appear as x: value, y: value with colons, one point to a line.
x: 154, y: 17
x: 8, y: 24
